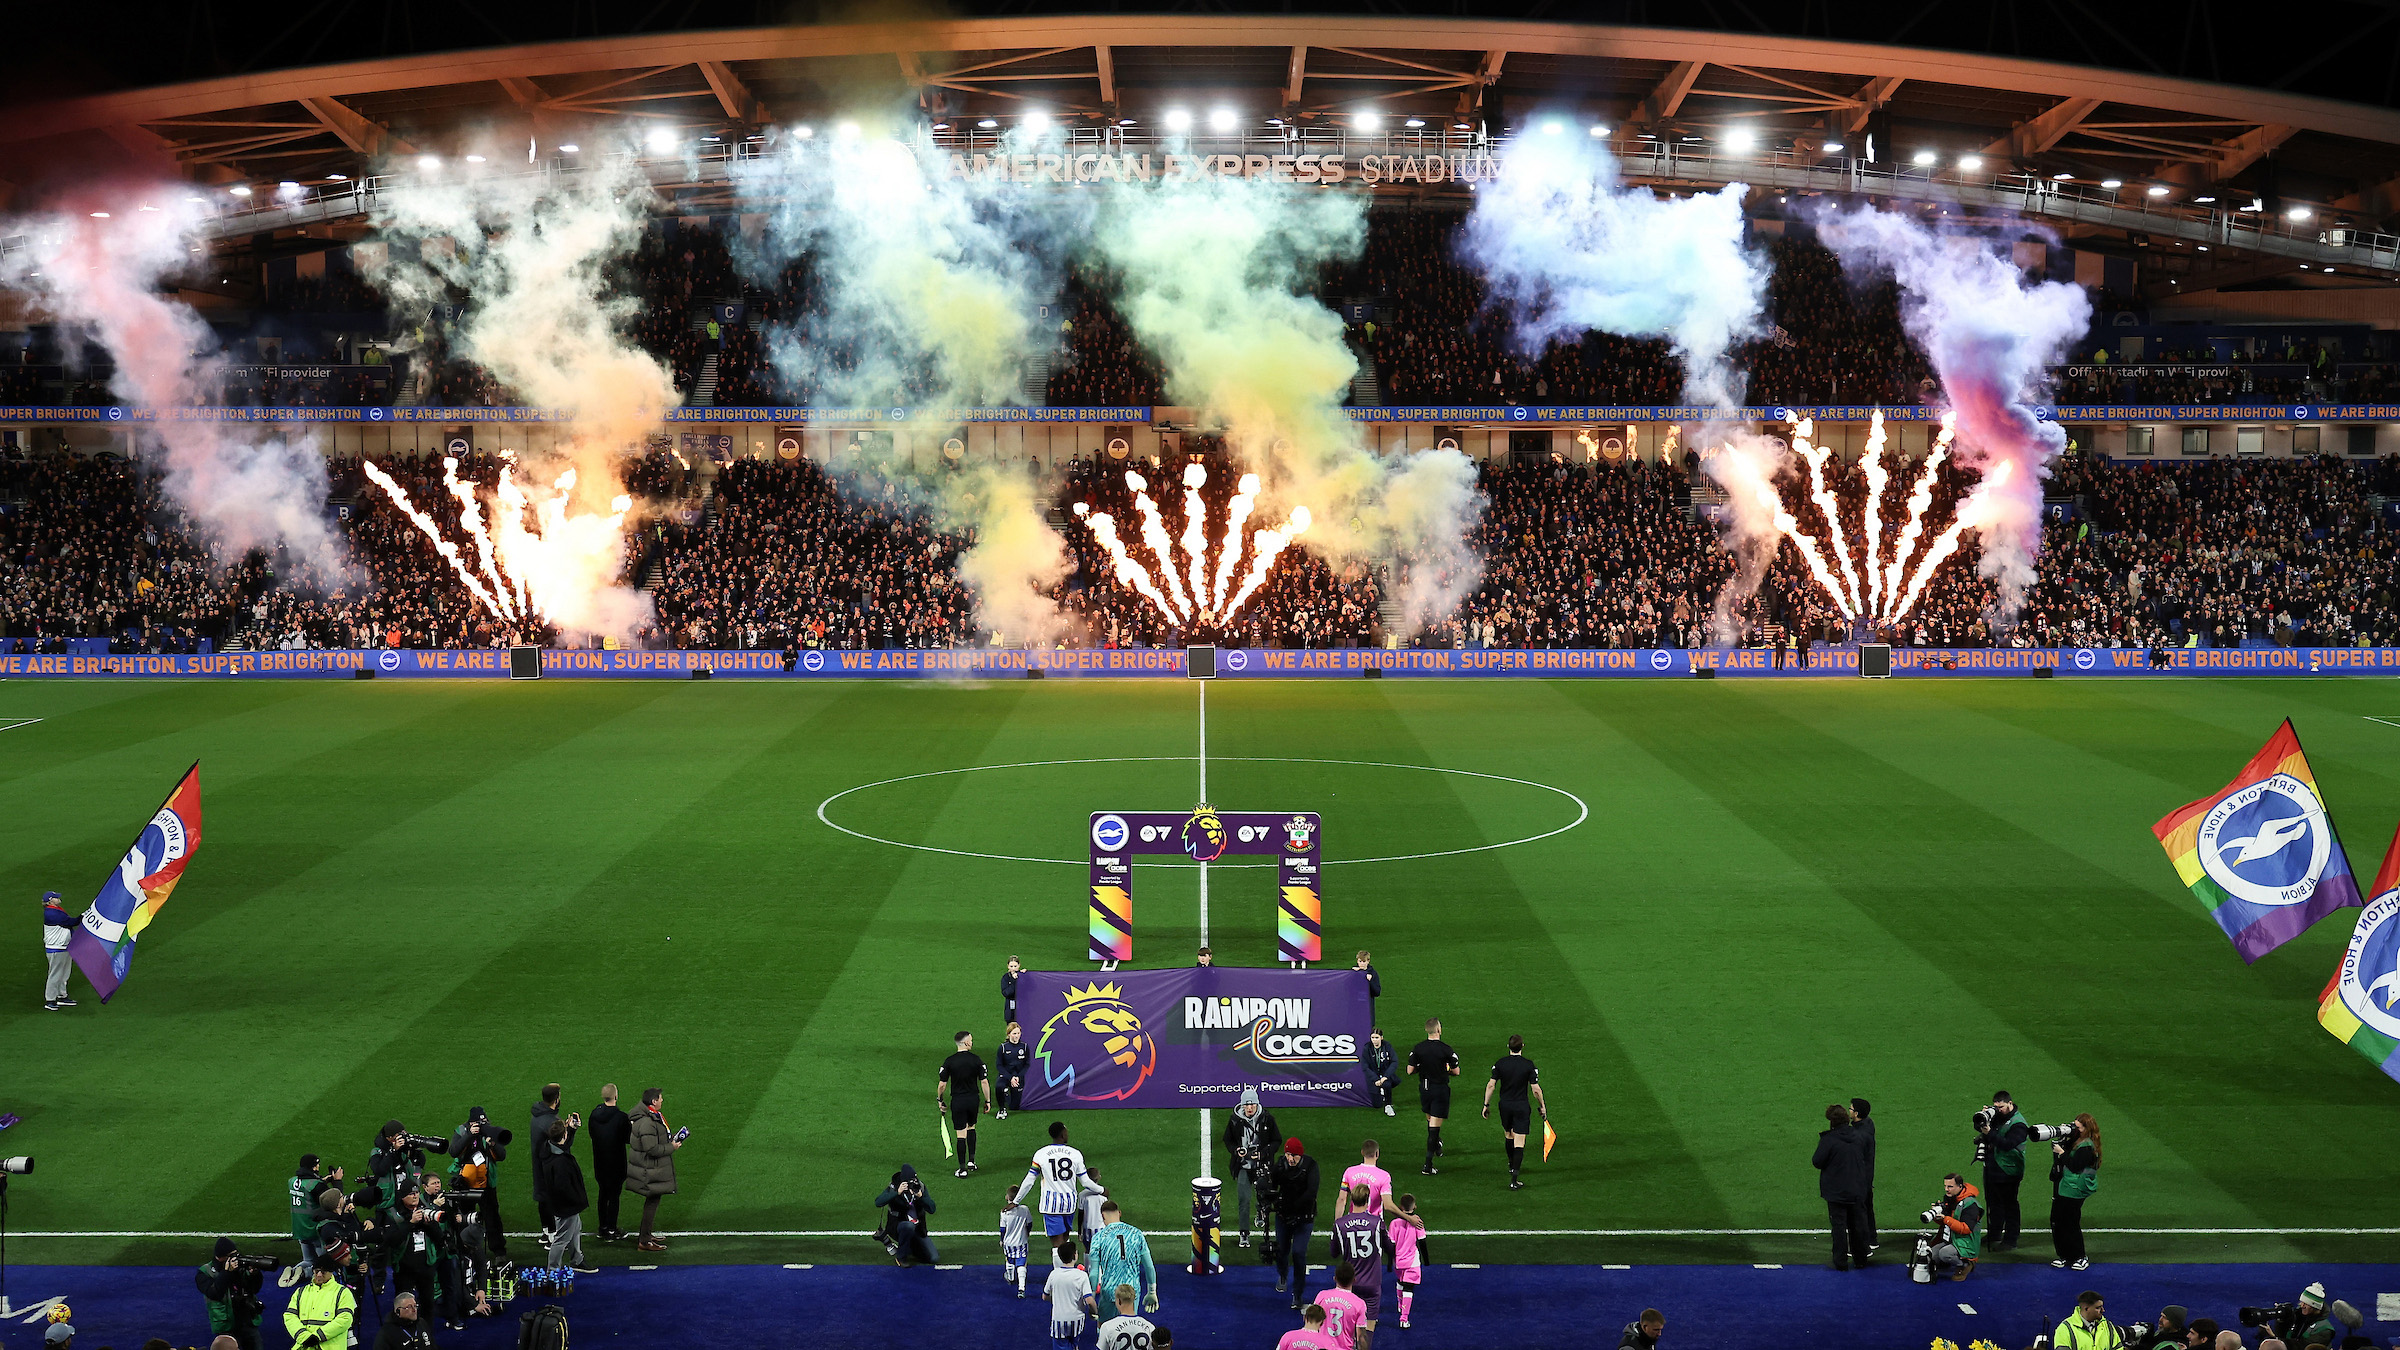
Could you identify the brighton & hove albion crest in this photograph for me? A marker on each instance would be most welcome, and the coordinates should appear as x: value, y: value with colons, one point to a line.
x: 1096, y: 1046
x: 2370, y: 980
x: 2267, y: 843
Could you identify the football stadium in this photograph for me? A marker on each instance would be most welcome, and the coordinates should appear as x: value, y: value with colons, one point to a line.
x: 1133, y: 678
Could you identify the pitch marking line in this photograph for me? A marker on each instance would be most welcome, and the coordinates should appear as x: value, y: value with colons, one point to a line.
x: 867, y: 1235
x: 2385, y: 720
x: 1583, y: 811
x: 16, y: 722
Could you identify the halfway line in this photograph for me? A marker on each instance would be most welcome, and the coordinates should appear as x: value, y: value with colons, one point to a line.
x: 1451, y: 1232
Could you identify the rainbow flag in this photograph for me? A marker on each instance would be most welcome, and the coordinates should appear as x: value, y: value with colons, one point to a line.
x: 2261, y: 855
x: 2358, y: 1003
x: 102, y: 944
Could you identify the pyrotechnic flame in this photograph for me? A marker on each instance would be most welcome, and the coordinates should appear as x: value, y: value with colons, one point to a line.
x: 448, y: 550
x: 1807, y: 545
x: 1877, y: 478
x: 470, y: 518
x: 1129, y: 572
x: 1973, y: 512
x: 1269, y: 543
x: 1229, y: 553
x: 1154, y: 535
x: 1823, y: 496
x: 1919, y: 501
x: 1195, y: 543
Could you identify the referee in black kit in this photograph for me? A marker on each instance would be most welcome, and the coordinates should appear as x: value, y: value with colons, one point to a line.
x: 1515, y: 1079
x: 962, y: 1076
x: 1435, y: 1064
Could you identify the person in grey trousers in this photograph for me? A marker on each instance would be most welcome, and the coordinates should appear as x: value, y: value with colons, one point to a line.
x: 57, y: 927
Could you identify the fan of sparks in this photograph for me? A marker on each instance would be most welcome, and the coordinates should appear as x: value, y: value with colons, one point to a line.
x: 1187, y: 589
x: 529, y: 552
x: 1869, y: 584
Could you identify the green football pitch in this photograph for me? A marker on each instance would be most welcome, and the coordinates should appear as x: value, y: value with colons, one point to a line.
x: 414, y: 897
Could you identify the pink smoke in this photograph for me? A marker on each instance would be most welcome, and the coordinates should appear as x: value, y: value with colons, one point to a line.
x: 1989, y: 334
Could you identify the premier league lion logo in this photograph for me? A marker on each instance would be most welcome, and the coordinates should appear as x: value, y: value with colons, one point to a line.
x: 1095, y: 1046
x: 1203, y: 836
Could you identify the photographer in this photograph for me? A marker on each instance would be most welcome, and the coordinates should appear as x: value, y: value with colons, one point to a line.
x: 2074, y: 1175
x: 1959, y: 1215
x: 304, y: 1187
x: 398, y: 1159
x: 415, y: 1226
x: 906, y: 1234
x: 2000, y: 1134
x: 1293, y: 1183
x: 476, y: 1150
x: 562, y: 1181
x: 230, y: 1282
x: 320, y: 1313
x: 2305, y: 1320
x: 457, y: 1244
x: 1250, y: 1141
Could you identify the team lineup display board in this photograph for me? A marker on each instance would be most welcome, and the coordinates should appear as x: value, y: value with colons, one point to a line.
x: 1195, y: 1036
x: 1204, y: 835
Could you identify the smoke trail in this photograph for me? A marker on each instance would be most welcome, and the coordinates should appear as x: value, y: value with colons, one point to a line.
x: 1215, y: 279
x: 243, y: 487
x: 1571, y: 248
x: 928, y: 288
x: 542, y: 316
x: 1989, y: 334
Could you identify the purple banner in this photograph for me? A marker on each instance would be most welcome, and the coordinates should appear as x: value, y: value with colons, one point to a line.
x: 1195, y: 1037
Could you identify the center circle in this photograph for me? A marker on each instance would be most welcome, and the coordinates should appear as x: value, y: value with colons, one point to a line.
x: 1582, y: 811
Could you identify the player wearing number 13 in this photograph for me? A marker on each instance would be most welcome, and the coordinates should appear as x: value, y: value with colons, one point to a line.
x: 1358, y: 1247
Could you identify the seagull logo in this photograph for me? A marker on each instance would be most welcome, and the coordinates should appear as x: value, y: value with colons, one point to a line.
x: 2388, y: 987
x: 2272, y: 838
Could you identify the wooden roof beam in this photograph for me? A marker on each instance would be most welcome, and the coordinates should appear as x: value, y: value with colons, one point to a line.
x: 2045, y: 129
x: 361, y: 133
x: 740, y: 103
x: 1662, y: 103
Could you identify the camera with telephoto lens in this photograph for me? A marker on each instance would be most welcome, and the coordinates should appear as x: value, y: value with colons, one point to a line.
x: 433, y: 1142
x: 1985, y: 1120
x: 2270, y: 1315
x: 2050, y: 1134
x: 15, y: 1167
x: 257, y: 1263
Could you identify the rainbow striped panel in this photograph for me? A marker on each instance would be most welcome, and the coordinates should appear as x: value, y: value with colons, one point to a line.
x: 2361, y: 1003
x: 1112, y: 923
x: 1299, y: 924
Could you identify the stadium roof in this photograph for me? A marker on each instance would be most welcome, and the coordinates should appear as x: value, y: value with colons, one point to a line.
x: 2297, y: 163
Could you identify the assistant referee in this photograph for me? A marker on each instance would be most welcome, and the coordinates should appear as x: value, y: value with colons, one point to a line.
x: 1515, y: 1079
x: 954, y: 1091
x: 1434, y: 1064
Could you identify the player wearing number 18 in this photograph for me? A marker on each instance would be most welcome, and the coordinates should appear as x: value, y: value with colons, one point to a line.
x: 1059, y: 1176
x: 1515, y: 1078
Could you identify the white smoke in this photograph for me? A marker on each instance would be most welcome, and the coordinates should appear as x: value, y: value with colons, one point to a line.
x: 1570, y: 248
x: 244, y: 487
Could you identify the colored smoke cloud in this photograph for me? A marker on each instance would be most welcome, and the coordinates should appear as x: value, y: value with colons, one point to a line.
x: 1989, y: 334
x: 244, y: 487
x: 1569, y: 248
x: 1215, y: 276
x: 928, y: 290
x: 542, y: 316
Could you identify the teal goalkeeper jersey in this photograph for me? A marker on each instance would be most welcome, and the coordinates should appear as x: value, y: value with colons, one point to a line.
x: 1121, y: 1255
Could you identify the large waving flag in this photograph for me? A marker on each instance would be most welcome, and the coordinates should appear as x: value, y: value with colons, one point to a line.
x: 2358, y: 1005
x: 102, y: 944
x: 2261, y: 855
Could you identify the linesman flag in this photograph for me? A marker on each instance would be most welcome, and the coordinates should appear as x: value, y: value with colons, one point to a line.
x: 102, y: 944
x: 1549, y: 1139
x: 2261, y: 855
x: 2358, y: 1005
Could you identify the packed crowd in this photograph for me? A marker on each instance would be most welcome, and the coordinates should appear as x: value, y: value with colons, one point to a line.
x: 2141, y: 555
